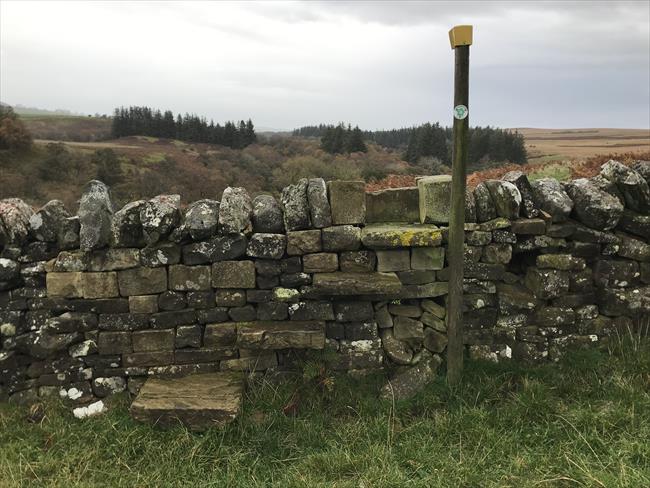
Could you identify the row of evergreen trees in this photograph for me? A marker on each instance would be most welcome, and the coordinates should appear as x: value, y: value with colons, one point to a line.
x: 144, y: 121
x: 486, y: 144
x: 342, y: 139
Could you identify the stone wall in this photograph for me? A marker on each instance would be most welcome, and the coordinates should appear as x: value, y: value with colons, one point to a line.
x: 95, y: 303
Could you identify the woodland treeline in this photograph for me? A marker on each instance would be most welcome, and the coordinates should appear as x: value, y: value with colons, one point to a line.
x: 145, y: 121
x: 486, y: 144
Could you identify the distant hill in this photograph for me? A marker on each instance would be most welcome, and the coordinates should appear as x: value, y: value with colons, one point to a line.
x: 24, y: 110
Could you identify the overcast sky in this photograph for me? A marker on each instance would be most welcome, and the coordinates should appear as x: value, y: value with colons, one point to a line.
x: 375, y: 64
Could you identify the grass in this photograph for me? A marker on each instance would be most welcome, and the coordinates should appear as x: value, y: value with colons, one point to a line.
x: 558, y: 171
x: 584, y: 422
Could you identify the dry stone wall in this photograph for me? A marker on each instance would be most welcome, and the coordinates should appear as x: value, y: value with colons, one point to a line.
x: 95, y: 303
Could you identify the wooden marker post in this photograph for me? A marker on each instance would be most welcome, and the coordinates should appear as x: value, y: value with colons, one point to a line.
x: 461, y: 38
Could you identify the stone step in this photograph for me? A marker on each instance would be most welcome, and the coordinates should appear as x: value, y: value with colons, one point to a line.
x: 198, y: 401
x: 342, y: 283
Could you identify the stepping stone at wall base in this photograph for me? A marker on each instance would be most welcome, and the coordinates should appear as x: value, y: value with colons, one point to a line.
x: 197, y: 401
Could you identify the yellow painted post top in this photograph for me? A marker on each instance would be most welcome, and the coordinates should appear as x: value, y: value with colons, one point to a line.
x: 460, y: 35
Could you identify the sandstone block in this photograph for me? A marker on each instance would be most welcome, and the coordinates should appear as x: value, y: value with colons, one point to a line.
x: 393, y: 260
x: 341, y: 238
x: 347, y: 201
x: 424, y: 258
x: 143, y: 304
x: 68, y: 285
x: 100, y: 285
x: 393, y: 205
x: 324, y: 262
x: 142, y: 281
x: 189, y: 278
x: 434, y: 199
x: 303, y: 242
x: 390, y: 236
x: 233, y: 274
x: 153, y: 340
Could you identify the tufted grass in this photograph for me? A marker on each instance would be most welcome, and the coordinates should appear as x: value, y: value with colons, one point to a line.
x: 582, y: 423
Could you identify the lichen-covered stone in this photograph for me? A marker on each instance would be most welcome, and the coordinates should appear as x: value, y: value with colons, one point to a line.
x: 14, y: 221
x: 319, y: 206
x: 435, y: 199
x: 266, y: 246
x: 470, y: 206
x: 46, y: 224
x: 233, y: 274
x: 565, y: 262
x: 633, y: 248
x: 549, y: 196
x: 235, y: 211
x: 202, y: 219
x: 189, y: 278
x: 358, y: 261
x: 267, y: 215
x: 594, y: 207
x: 393, y: 205
x: 159, y: 216
x: 631, y: 184
x: 126, y: 228
x: 635, y: 223
x: 296, y: 206
x: 341, y: 238
x: 397, y: 351
x: 485, y: 209
x: 95, y: 216
x: 113, y: 259
x: 388, y: 236
x: 497, y: 253
x: 219, y: 248
x: 506, y: 198
x: 407, y: 382
x: 547, y: 283
x: 103, y: 387
x: 161, y: 254
x: 520, y: 180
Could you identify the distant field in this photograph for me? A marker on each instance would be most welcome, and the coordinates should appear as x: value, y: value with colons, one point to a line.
x: 545, y: 145
x: 68, y: 127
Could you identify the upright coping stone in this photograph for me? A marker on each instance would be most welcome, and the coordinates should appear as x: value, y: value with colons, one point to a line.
x: 435, y: 199
x: 348, y: 202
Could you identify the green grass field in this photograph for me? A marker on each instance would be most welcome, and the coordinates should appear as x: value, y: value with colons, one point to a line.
x: 584, y: 422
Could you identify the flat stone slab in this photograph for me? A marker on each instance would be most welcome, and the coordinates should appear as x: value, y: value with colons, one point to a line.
x: 340, y: 283
x: 294, y: 334
x: 198, y: 401
x: 390, y: 236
